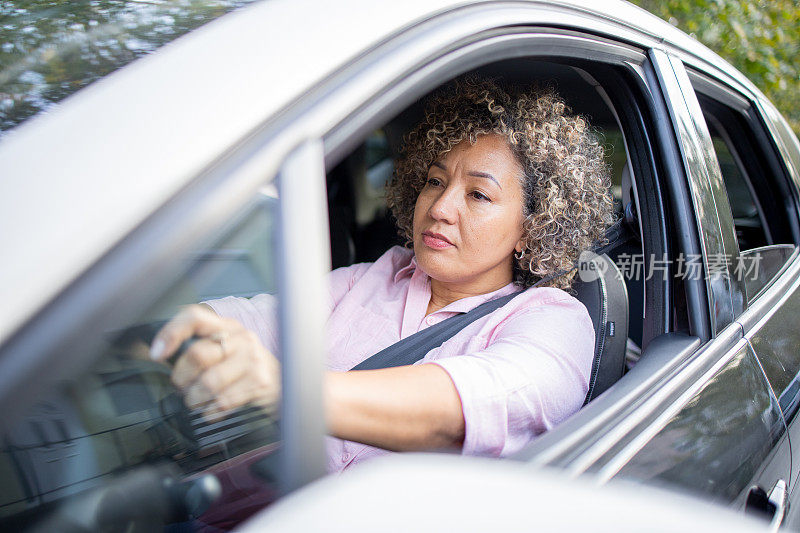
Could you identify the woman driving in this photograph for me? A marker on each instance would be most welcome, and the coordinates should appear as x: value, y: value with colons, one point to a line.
x: 495, y: 191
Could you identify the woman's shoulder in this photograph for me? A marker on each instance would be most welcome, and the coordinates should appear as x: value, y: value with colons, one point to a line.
x: 549, y: 319
x: 396, y: 259
x: 537, y: 297
x: 548, y: 303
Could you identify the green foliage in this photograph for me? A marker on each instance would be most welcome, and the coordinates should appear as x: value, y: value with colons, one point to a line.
x: 760, y: 38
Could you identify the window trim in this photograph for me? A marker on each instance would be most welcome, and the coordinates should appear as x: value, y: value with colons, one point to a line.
x: 489, y: 47
x: 712, y: 212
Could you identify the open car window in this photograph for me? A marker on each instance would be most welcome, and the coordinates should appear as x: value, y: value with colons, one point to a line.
x: 362, y: 228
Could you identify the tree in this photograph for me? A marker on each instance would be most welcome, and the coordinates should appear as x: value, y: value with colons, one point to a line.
x: 51, y: 48
x: 760, y: 38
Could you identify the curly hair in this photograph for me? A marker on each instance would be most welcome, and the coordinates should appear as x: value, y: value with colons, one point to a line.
x: 566, y: 190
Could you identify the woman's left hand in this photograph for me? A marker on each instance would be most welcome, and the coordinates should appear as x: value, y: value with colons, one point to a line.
x: 226, y: 367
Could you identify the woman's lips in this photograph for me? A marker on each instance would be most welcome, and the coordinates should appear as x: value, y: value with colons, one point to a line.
x: 435, y: 241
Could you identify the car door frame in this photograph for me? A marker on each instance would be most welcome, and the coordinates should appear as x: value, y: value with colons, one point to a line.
x: 677, y: 363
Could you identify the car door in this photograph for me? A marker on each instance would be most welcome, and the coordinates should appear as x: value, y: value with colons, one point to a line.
x: 757, y: 170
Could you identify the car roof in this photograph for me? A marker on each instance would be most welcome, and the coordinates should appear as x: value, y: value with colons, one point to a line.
x: 77, y: 179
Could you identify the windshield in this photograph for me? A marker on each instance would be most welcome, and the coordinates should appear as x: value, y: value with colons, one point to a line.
x: 52, y: 49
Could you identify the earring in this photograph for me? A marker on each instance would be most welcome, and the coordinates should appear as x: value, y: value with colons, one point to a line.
x: 520, y: 256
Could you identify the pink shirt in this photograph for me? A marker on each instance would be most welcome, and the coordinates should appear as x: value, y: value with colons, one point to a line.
x: 519, y: 370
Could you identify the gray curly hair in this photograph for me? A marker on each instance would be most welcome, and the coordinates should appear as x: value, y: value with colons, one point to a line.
x: 566, y: 184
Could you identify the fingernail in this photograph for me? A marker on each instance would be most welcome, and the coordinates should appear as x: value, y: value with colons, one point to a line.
x: 157, y: 349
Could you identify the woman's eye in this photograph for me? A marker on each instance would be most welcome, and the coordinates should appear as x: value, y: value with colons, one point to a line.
x: 433, y: 182
x: 480, y: 196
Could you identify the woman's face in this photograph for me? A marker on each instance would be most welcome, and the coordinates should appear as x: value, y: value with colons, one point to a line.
x: 468, y: 217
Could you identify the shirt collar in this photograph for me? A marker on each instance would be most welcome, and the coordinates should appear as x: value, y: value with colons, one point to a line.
x: 406, y: 271
x: 468, y: 304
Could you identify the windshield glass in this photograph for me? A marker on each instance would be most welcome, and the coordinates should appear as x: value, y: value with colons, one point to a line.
x: 117, y: 446
x: 49, y: 49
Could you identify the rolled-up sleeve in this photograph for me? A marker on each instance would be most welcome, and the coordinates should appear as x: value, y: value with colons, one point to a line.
x: 533, y: 374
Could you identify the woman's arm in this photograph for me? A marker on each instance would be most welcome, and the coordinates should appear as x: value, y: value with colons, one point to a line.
x: 403, y: 408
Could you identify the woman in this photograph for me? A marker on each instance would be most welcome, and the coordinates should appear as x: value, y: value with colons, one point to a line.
x: 494, y: 192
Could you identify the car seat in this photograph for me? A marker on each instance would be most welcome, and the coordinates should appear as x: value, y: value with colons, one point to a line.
x: 606, y: 298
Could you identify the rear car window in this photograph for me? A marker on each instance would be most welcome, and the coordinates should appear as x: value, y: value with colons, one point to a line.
x: 762, y: 208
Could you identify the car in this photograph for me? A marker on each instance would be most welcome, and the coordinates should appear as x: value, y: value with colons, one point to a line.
x: 249, y: 156
x: 480, y: 494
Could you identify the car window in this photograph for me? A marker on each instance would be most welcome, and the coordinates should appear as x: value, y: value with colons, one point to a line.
x: 355, y: 182
x: 50, y: 50
x: 121, y: 427
x: 756, y: 190
x: 746, y: 214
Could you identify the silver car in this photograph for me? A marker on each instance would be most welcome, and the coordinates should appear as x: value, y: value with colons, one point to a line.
x: 249, y: 156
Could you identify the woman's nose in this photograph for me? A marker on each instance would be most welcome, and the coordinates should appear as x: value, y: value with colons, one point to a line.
x: 445, y: 208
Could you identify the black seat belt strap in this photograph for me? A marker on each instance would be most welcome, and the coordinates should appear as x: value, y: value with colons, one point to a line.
x: 414, y: 347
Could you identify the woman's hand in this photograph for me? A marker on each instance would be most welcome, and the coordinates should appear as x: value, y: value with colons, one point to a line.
x: 226, y: 367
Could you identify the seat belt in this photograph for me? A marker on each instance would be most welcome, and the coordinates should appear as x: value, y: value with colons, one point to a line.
x: 414, y: 347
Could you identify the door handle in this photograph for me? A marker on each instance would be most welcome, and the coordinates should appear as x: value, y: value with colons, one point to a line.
x: 772, y: 505
x: 777, y: 497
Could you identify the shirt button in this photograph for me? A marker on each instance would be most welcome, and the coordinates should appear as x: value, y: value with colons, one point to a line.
x: 430, y: 320
x: 345, y: 457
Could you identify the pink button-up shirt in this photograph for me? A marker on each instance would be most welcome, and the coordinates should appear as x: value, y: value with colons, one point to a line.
x: 518, y: 371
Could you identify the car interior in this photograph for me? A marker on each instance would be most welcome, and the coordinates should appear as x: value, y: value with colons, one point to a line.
x: 361, y: 228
